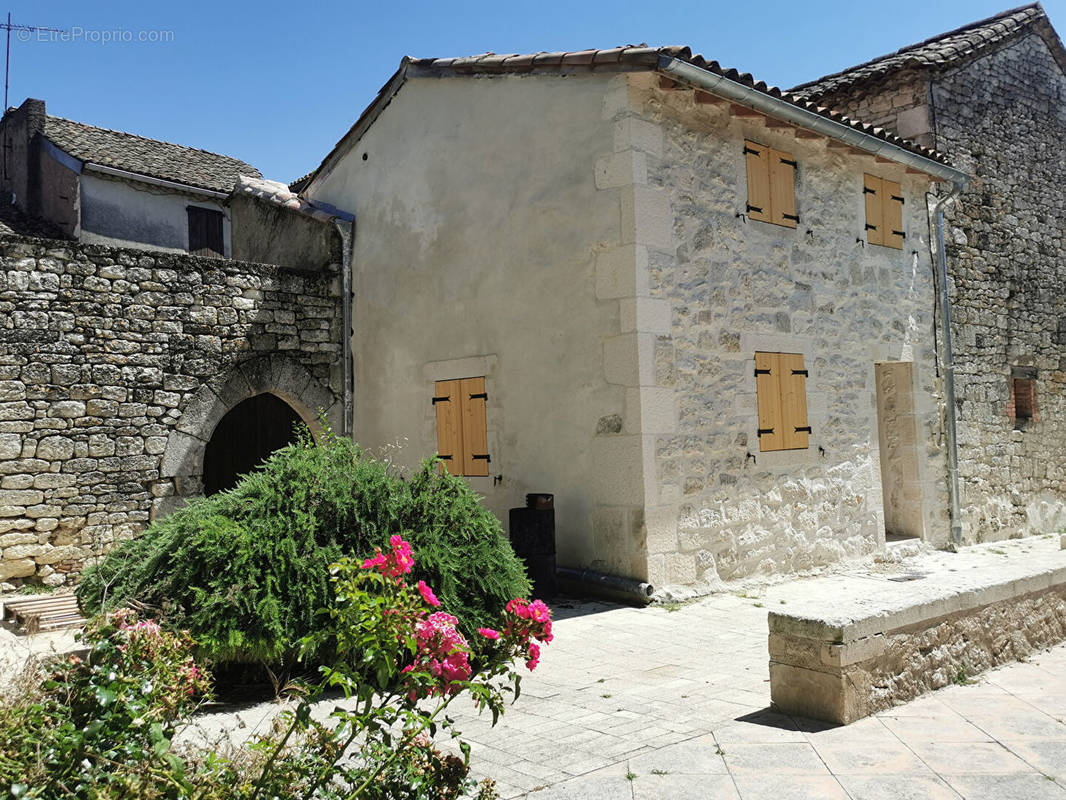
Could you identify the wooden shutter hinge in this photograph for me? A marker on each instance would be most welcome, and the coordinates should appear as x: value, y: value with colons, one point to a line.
x: 748, y: 150
x: 759, y: 372
x: 900, y: 234
x: 481, y: 457
x: 870, y: 227
x: 868, y: 190
x: 802, y: 372
x: 793, y: 217
x: 790, y: 163
x: 444, y: 458
x: 898, y: 198
x: 445, y: 399
x: 762, y: 431
x: 805, y: 429
x: 480, y: 396
x: 756, y: 209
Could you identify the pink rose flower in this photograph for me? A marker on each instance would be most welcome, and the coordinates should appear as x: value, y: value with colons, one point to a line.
x: 427, y: 594
x: 489, y: 633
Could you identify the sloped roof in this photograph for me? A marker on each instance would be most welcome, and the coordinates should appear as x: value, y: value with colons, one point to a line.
x: 630, y: 58
x: 151, y: 157
x: 944, y: 50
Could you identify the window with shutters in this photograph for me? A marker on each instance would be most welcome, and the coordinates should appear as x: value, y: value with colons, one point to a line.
x: 462, y: 432
x: 884, y: 212
x: 781, y: 388
x: 771, y: 185
x: 205, y: 232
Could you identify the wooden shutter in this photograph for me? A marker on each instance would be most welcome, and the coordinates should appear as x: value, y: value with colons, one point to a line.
x: 793, y: 379
x: 782, y: 189
x: 205, y: 232
x: 475, y: 434
x: 757, y: 158
x: 873, y: 192
x: 892, y: 210
x: 768, y: 396
x: 446, y: 401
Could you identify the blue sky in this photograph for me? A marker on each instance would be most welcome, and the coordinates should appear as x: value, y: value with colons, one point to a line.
x: 277, y: 84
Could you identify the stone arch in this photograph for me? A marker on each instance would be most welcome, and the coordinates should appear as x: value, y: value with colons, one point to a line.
x: 181, y: 470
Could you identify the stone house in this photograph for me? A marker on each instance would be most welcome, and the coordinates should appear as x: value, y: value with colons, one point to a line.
x: 101, y: 186
x: 990, y: 95
x: 696, y: 309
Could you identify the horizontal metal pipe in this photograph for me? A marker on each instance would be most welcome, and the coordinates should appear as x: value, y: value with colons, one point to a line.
x: 136, y: 176
x: 614, y: 586
x: 781, y: 109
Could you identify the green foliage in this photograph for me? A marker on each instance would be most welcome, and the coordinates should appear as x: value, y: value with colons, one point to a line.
x: 102, y: 727
x: 247, y: 569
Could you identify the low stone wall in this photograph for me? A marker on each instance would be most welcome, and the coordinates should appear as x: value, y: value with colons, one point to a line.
x: 116, y: 364
x: 875, y: 652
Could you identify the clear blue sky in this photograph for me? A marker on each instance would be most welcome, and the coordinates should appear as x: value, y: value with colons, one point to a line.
x: 277, y: 84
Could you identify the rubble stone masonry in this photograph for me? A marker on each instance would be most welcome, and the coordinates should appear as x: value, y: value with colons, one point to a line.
x: 1001, y: 118
x: 115, y: 362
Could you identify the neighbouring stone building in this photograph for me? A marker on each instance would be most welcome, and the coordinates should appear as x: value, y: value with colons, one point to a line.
x: 102, y: 186
x: 128, y: 379
x: 564, y: 281
x: 990, y: 96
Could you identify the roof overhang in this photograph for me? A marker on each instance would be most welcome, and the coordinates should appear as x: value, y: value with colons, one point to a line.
x: 699, y: 78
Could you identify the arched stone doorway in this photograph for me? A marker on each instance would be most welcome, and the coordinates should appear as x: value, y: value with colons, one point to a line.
x: 245, y: 437
x: 181, y: 471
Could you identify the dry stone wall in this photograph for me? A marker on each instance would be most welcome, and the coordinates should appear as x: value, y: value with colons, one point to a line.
x: 105, y: 353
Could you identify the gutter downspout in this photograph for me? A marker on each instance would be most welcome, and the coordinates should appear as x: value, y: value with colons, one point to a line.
x: 949, y: 367
x: 347, y: 232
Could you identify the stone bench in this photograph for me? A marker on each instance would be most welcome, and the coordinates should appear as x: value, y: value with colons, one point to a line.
x: 842, y: 658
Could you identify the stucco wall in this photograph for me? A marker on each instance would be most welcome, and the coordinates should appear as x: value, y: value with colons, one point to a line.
x: 126, y: 214
x: 478, y: 226
x: 268, y: 233
x: 115, y: 366
x: 1001, y: 117
x: 726, y: 287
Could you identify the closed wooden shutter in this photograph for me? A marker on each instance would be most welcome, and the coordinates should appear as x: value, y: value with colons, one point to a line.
x: 793, y: 379
x: 783, y: 189
x: 205, y: 232
x: 873, y: 193
x: 892, y: 209
x: 768, y: 397
x: 475, y: 434
x: 757, y: 158
x: 446, y: 401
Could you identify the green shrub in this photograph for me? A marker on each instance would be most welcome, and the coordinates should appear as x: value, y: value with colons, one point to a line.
x: 246, y: 570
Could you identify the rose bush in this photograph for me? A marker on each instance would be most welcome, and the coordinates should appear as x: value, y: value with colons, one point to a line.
x: 104, y: 725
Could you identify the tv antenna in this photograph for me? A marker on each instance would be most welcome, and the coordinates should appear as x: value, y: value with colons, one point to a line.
x: 9, y: 26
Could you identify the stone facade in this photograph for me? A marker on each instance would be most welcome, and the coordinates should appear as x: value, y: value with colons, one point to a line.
x: 726, y: 287
x: 115, y: 366
x: 1000, y: 117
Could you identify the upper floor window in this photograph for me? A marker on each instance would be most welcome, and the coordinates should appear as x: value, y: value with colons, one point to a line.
x: 884, y: 212
x: 771, y: 185
x: 205, y: 232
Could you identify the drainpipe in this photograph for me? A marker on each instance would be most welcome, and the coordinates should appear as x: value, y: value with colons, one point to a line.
x: 346, y: 230
x: 949, y: 367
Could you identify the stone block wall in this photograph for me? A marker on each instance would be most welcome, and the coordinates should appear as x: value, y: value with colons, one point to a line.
x: 719, y: 508
x: 114, y: 367
x: 1001, y: 118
